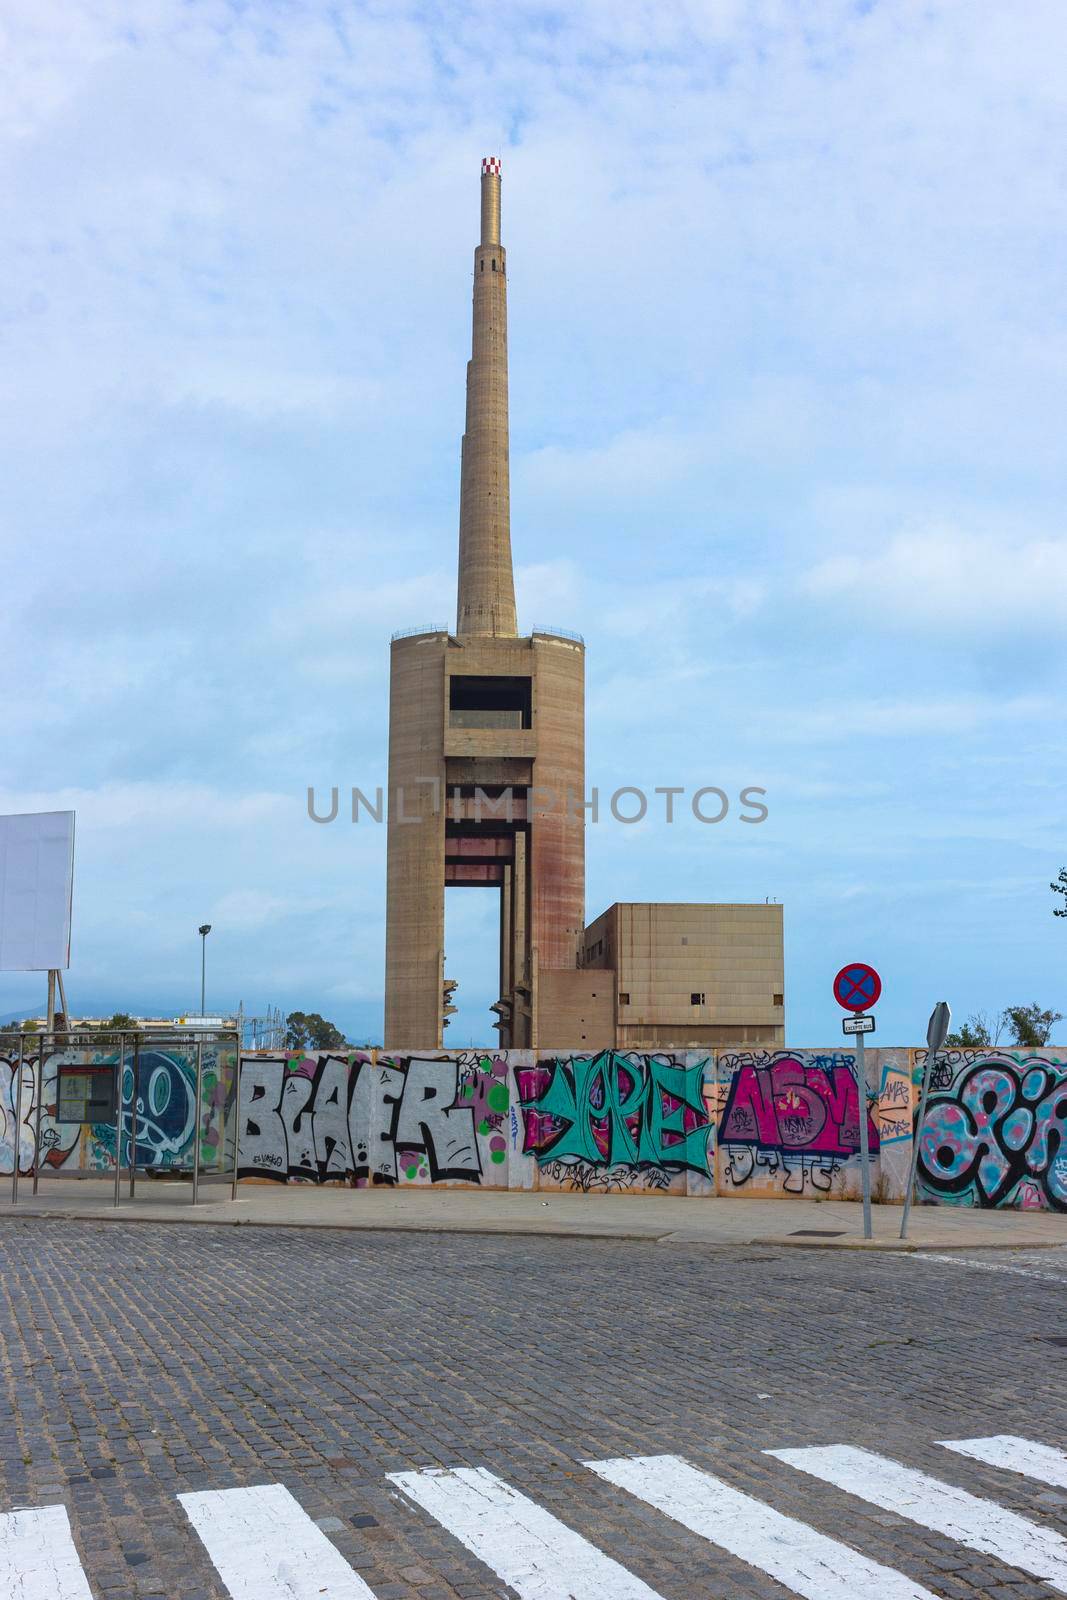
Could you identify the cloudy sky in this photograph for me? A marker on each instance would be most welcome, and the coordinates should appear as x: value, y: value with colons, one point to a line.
x: 788, y: 422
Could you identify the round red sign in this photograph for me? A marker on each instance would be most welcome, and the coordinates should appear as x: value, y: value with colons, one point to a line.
x: 857, y: 986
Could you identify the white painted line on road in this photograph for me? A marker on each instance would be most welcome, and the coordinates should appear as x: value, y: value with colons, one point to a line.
x: 1050, y: 1255
x: 1033, y: 1460
x: 529, y: 1549
x: 38, y: 1560
x: 805, y: 1561
x: 265, y: 1546
x: 978, y: 1524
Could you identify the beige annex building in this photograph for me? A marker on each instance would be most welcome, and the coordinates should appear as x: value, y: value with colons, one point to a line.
x: 486, y: 780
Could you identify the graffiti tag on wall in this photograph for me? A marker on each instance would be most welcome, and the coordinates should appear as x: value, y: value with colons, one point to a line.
x: 402, y: 1119
x: 57, y: 1140
x: 165, y: 1088
x: 791, y: 1116
x: 995, y: 1131
x: 633, y: 1114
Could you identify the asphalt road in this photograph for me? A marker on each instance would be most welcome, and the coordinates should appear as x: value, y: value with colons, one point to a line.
x: 144, y: 1363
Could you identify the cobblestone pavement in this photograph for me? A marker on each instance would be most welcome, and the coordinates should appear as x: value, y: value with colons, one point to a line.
x: 142, y: 1363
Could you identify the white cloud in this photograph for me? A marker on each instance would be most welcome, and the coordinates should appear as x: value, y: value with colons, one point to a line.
x: 155, y: 804
x: 845, y: 718
x: 943, y: 577
x: 780, y: 277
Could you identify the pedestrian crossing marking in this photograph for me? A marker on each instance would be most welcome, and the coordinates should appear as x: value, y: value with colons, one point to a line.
x: 978, y: 1524
x: 1005, y: 1450
x: 38, y: 1560
x: 264, y: 1546
x: 527, y: 1547
x: 805, y: 1561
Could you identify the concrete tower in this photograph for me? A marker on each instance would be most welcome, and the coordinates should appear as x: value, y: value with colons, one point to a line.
x: 486, y: 595
x: 486, y: 739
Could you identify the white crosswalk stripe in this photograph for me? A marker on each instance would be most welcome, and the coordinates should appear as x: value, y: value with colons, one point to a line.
x: 264, y: 1546
x: 1033, y: 1460
x: 38, y: 1560
x: 532, y: 1551
x: 805, y: 1561
x: 978, y: 1524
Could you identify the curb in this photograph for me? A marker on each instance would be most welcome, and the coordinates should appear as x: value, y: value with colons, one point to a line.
x: 535, y: 1229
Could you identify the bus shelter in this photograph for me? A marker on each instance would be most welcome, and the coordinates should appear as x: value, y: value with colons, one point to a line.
x: 155, y: 1102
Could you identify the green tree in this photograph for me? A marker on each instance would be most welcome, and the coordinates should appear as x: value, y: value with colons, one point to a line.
x: 307, y: 1030
x: 1060, y: 887
x: 1030, y: 1026
x: 974, y: 1034
x: 112, y: 1030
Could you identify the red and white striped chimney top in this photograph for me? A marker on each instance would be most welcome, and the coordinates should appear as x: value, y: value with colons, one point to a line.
x: 491, y: 164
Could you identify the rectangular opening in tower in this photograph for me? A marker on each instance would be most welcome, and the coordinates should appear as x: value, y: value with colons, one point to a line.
x: 486, y: 702
x: 472, y: 958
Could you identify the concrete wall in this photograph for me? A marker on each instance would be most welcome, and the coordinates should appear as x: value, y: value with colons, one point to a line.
x: 730, y: 956
x: 995, y: 1131
x: 743, y: 1122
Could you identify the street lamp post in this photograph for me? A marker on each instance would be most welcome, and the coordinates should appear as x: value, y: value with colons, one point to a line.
x: 204, y: 930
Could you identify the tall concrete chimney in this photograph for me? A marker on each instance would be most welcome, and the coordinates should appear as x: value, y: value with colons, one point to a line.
x: 483, y: 718
x: 486, y: 590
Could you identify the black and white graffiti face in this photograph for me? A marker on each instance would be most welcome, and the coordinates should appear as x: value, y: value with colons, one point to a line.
x: 166, y: 1108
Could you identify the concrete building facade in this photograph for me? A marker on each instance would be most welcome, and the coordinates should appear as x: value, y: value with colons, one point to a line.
x: 486, y: 788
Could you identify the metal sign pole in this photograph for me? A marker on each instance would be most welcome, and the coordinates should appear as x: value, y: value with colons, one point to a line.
x: 18, y: 1126
x: 119, y: 1065
x: 199, y: 1113
x: 865, y: 1154
x: 928, y: 1065
x: 936, y: 1034
x: 37, y: 1116
x: 236, y: 1115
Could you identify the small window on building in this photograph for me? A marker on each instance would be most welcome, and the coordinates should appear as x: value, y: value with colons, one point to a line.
x: 685, y: 938
x: 779, y: 1000
x: 494, y: 263
x: 696, y: 1000
x: 482, y: 264
x: 624, y: 999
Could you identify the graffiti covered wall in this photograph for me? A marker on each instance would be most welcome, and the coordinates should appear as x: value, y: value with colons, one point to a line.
x: 789, y: 1123
x: 995, y: 1130
x: 60, y: 1143
x: 619, y: 1121
x: 393, y: 1119
x: 749, y: 1123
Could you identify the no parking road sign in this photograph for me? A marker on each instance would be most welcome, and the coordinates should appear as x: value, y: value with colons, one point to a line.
x: 857, y: 986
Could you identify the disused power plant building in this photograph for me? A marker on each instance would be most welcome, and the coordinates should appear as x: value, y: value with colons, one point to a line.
x: 486, y: 782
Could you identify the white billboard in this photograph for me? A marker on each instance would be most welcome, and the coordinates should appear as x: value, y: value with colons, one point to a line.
x: 36, y: 888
